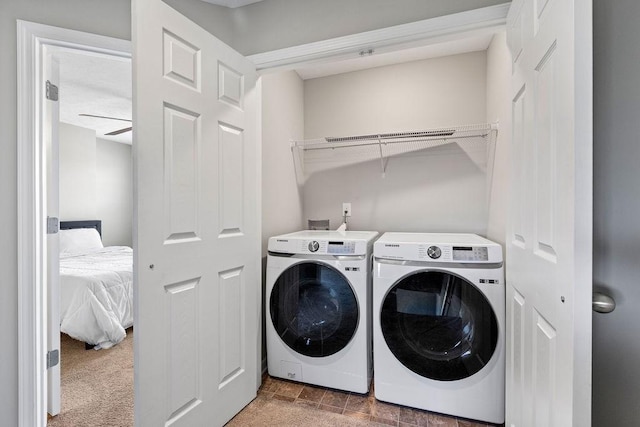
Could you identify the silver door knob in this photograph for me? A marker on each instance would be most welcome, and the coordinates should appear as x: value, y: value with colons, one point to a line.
x: 603, y: 303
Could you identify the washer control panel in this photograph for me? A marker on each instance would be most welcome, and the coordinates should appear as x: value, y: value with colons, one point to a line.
x: 453, y: 253
x: 336, y: 247
x: 324, y: 242
x: 470, y: 253
x: 328, y: 247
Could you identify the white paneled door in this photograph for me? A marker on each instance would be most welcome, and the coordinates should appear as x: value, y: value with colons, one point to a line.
x: 197, y: 248
x: 549, y: 241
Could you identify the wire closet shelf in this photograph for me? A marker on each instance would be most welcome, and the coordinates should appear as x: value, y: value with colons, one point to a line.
x: 394, y: 143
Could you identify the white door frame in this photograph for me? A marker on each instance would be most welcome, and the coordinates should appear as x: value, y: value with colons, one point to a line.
x: 33, y: 39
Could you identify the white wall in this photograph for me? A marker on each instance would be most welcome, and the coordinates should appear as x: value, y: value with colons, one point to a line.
x: 616, y: 198
x: 77, y: 173
x: 439, y: 189
x: 114, y: 192
x: 275, y: 24
x: 499, y: 110
x: 112, y: 18
x: 282, y: 122
x: 96, y: 182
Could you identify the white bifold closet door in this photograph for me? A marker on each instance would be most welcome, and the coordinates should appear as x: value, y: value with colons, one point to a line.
x: 549, y: 240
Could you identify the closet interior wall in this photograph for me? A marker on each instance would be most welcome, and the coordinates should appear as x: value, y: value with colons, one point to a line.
x: 440, y: 189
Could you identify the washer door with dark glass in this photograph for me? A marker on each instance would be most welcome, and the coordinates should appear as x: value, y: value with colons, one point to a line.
x: 439, y: 325
x: 314, y: 309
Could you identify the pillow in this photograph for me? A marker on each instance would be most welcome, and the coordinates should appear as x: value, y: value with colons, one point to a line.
x: 79, y: 240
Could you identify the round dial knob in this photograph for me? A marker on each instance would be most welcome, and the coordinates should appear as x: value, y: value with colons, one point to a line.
x: 434, y: 252
x: 314, y: 246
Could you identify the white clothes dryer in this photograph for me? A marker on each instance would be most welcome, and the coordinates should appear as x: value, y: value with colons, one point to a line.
x: 439, y: 324
x: 318, y: 321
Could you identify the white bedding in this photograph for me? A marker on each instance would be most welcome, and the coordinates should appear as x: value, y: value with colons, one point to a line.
x: 96, y: 288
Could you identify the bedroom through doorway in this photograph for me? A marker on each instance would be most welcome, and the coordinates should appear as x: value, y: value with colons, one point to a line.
x: 95, y: 275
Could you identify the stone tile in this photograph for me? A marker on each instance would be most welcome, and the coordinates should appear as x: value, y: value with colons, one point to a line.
x: 436, y: 420
x: 275, y: 382
x: 385, y: 410
x: 306, y: 403
x: 329, y: 408
x: 269, y: 384
x: 264, y: 393
x: 285, y: 398
x: 335, y: 398
x: 384, y: 421
x: 357, y: 415
x: 414, y: 416
x: 359, y: 403
x: 470, y: 423
x: 290, y: 389
x: 314, y: 394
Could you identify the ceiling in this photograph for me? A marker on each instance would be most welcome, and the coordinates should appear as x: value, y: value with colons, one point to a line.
x: 97, y: 85
x: 101, y: 85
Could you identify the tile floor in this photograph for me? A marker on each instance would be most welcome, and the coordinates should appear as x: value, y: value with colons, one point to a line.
x: 362, y: 406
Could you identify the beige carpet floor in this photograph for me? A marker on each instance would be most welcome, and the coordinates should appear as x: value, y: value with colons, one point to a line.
x: 97, y: 386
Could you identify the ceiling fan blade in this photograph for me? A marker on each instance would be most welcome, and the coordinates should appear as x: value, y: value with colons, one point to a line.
x: 119, y: 131
x: 104, y: 117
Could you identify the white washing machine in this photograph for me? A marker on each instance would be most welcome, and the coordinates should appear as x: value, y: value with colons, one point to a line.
x: 439, y: 324
x: 318, y: 321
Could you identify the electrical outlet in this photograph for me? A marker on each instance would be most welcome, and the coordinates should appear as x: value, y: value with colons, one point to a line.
x: 346, y: 209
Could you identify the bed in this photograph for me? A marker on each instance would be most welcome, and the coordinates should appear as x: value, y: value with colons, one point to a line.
x: 96, y: 285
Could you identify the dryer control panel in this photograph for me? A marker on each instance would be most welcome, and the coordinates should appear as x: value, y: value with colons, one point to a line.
x: 441, y: 248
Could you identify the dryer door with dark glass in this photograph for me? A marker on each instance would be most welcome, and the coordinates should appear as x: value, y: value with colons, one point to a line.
x: 314, y: 309
x: 439, y: 325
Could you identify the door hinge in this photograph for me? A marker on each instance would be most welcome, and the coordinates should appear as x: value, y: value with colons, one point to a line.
x: 53, y: 358
x: 52, y: 91
x: 53, y: 225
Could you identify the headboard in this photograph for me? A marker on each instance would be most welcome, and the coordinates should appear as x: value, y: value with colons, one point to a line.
x: 91, y: 223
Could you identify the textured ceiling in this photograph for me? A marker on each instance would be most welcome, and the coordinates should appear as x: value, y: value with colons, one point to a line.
x: 97, y: 85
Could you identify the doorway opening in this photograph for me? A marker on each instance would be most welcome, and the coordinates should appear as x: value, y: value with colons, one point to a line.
x: 37, y: 47
x: 95, y: 280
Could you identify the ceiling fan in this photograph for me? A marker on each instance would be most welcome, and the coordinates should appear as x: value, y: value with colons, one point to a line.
x: 115, y: 132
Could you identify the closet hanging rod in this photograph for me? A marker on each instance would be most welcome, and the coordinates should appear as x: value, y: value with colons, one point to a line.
x: 442, y: 134
x: 322, y: 145
x: 395, y: 135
